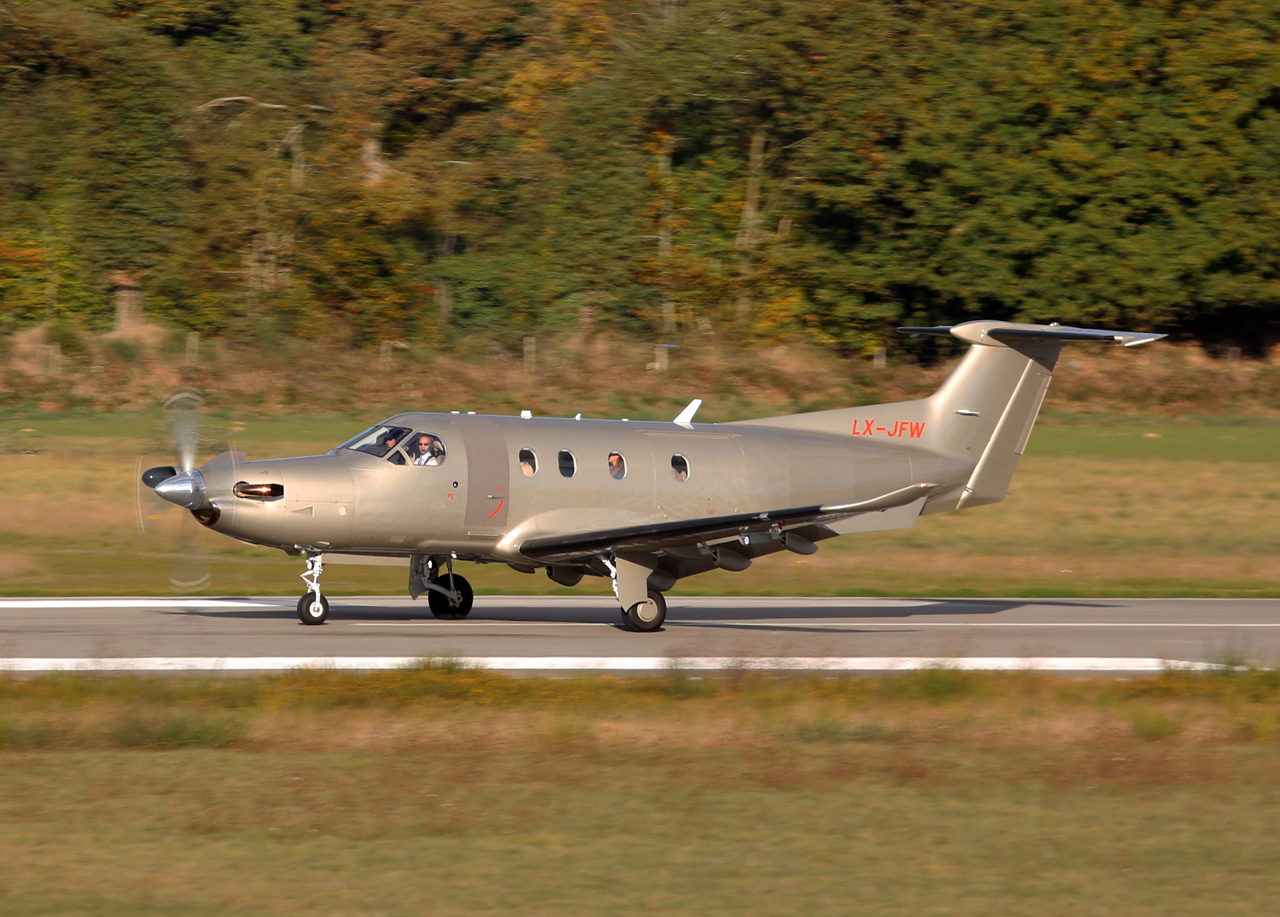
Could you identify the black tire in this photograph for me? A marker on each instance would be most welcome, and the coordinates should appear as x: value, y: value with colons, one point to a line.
x: 305, y: 613
x: 445, y: 610
x: 639, y: 617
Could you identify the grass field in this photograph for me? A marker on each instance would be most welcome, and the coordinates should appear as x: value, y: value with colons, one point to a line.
x: 1095, y: 509
x: 456, y: 792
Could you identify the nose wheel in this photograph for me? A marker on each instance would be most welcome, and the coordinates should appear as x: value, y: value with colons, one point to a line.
x: 313, y: 608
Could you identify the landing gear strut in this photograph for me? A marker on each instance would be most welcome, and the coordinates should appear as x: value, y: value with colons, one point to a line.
x: 313, y: 608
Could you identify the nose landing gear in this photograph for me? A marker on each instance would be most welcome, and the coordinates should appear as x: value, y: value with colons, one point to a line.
x: 313, y: 608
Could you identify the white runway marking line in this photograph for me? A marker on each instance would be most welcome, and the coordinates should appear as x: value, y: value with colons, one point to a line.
x: 854, y: 622
x: 137, y: 603
x: 449, y: 625
x: 605, y: 664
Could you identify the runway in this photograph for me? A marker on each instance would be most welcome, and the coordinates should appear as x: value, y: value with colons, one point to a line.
x: 559, y: 633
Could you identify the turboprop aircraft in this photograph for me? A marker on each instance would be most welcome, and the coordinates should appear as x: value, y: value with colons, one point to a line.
x: 644, y: 503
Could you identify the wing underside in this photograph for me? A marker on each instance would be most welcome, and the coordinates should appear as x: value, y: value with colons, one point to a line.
x: 693, y: 538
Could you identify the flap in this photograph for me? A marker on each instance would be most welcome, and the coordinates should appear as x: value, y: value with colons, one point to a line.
x: 676, y: 535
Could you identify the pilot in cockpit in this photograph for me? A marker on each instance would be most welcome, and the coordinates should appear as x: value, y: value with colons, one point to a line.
x: 426, y: 449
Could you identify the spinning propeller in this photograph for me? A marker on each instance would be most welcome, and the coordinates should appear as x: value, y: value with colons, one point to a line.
x: 164, y: 487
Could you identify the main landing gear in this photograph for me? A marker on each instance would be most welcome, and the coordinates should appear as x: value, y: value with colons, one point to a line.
x: 646, y: 616
x: 313, y: 608
x: 452, y: 598
x: 643, y: 609
x: 449, y: 595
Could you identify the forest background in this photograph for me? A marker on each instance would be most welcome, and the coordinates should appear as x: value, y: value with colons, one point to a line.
x: 357, y: 171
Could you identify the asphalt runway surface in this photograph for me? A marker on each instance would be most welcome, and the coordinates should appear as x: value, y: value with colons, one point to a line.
x: 549, y: 633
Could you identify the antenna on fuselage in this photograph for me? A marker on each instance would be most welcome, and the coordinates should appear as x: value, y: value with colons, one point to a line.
x: 686, y: 416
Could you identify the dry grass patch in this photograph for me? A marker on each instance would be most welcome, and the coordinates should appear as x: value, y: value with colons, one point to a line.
x: 439, y: 704
x: 450, y: 791
x: 1171, y: 380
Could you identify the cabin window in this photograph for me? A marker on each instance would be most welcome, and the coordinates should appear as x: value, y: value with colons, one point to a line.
x: 568, y: 464
x: 680, y: 467
x: 528, y: 462
x: 617, y: 466
x: 425, y: 449
x: 378, y: 441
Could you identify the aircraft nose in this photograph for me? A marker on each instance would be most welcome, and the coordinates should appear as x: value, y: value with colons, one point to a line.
x: 185, y: 489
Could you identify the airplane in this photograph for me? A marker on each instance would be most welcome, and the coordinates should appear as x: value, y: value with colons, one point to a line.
x: 644, y: 503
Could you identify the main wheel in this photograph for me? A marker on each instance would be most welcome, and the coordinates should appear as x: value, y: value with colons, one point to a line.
x: 644, y: 617
x: 310, y: 611
x: 445, y: 609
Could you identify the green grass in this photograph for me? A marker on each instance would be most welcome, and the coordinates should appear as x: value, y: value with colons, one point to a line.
x: 1173, y: 442
x: 452, y: 791
x: 631, y: 833
x: 1128, y: 510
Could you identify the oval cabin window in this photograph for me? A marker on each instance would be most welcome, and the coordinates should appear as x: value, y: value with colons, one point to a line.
x: 528, y: 463
x: 680, y: 467
x: 617, y: 466
x: 568, y: 464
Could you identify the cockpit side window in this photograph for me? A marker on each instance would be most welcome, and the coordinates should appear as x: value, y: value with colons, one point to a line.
x: 425, y: 449
x: 378, y: 441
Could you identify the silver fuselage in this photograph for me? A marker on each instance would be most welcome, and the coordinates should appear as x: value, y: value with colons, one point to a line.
x: 478, y: 504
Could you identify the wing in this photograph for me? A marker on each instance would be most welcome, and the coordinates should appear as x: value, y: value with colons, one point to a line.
x: 673, y: 536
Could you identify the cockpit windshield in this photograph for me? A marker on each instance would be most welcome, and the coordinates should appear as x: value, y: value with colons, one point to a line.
x: 378, y: 441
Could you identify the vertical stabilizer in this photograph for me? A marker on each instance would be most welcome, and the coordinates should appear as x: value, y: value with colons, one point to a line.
x: 979, y: 419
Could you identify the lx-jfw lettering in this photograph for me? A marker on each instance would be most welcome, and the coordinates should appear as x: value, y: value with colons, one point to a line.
x: 908, y: 428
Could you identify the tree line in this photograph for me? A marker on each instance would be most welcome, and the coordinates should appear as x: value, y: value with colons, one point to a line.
x: 363, y: 170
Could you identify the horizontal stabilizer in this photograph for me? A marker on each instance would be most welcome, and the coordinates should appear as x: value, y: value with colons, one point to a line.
x: 1002, y: 331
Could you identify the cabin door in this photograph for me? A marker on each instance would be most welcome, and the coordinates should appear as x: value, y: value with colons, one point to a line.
x: 488, y: 474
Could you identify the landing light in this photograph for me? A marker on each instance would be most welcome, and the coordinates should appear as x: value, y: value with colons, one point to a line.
x: 258, y: 491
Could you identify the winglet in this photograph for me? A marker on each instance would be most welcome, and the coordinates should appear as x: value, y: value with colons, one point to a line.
x: 686, y: 416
